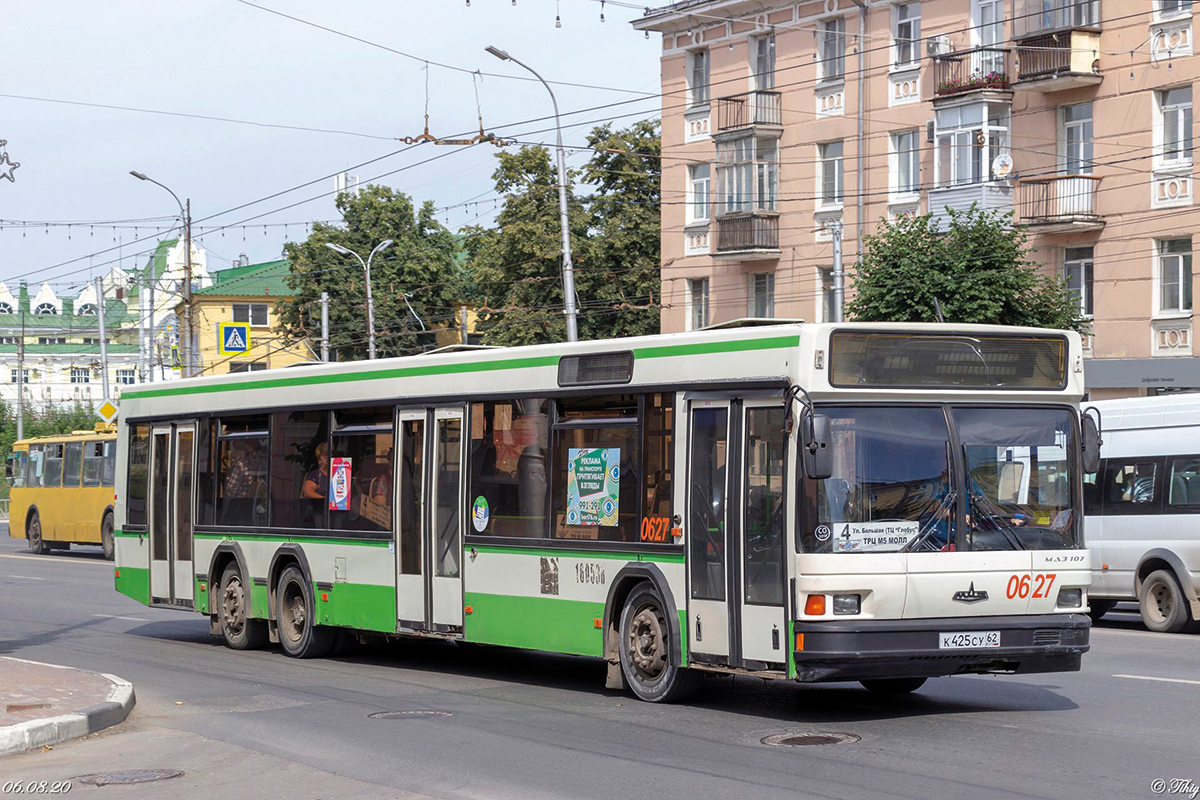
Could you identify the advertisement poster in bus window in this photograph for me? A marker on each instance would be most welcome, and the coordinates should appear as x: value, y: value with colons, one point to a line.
x: 339, y: 484
x: 593, y: 485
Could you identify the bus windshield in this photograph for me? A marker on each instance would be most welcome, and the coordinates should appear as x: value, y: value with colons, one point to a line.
x: 896, y: 488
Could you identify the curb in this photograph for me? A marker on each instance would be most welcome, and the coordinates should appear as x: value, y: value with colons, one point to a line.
x: 38, y: 733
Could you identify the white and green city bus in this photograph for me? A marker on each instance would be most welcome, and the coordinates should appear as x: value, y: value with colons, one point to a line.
x: 869, y: 502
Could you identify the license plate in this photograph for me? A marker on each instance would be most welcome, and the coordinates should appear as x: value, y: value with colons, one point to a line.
x: 968, y: 640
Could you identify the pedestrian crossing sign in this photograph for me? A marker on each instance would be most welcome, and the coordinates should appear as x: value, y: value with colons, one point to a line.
x: 233, y: 338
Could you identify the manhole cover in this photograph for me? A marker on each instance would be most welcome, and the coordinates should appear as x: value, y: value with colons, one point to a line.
x: 129, y: 776
x: 407, y: 714
x: 810, y: 739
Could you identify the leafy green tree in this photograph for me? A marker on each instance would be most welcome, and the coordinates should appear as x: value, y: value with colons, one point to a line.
x: 979, y: 269
x: 423, y: 261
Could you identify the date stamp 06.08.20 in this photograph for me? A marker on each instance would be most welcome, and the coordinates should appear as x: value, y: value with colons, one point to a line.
x: 34, y: 788
x: 1175, y: 787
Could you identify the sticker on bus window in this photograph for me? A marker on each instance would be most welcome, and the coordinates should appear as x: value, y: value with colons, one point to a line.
x: 339, y: 484
x: 593, y: 485
x: 863, y: 536
x: 480, y: 513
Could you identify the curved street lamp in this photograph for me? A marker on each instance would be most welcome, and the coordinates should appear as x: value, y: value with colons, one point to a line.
x: 366, y: 265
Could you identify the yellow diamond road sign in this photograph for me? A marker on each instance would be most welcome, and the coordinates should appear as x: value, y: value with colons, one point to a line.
x: 108, y: 411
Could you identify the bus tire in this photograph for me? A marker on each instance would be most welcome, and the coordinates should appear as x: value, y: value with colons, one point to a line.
x: 1164, y: 608
x: 1098, y: 608
x: 649, y: 666
x: 33, y: 533
x: 295, y: 615
x: 893, y: 685
x: 233, y: 612
x: 106, y: 537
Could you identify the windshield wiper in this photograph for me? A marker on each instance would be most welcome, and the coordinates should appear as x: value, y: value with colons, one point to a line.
x: 997, y: 519
x: 932, y: 524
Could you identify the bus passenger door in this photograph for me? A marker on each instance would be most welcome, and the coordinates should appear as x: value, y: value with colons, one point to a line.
x: 707, y: 529
x: 181, y: 525
x: 410, y: 560
x: 444, y: 539
x: 171, y: 478
x: 160, y: 514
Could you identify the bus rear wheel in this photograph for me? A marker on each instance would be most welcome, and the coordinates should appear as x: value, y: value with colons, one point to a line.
x: 295, y: 616
x: 647, y: 661
x: 1164, y: 608
x: 233, y: 610
x: 106, y: 537
x: 33, y: 532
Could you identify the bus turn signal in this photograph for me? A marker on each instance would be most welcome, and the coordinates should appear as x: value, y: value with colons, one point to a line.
x: 814, y: 606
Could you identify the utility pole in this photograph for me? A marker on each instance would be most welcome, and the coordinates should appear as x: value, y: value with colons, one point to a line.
x: 186, y: 332
x: 150, y: 334
x: 103, y: 335
x: 839, y: 275
x: 324, y: 326
x: 21, y: 378
x: 462, y: 310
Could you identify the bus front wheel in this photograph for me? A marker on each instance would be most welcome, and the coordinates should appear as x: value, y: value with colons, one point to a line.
x: 295, y: 615
x: 1098, y: 608
x: 233, y: 610
x: 1164, y: 608
x: 648, y: 662
x: 33, y: 532
x: 106, y: 537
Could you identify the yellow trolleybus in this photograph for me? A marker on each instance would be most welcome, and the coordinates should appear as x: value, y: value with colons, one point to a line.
x: 62, y: 490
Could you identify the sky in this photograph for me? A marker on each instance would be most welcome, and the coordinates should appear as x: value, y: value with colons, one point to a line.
x: 231, y: 59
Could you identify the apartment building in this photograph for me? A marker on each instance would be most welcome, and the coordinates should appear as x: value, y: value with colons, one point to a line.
x: 785, y: 122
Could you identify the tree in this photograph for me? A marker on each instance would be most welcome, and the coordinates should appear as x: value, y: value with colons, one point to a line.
x: 422, y: 261
x: 517, y: 266
x: 979, y: 269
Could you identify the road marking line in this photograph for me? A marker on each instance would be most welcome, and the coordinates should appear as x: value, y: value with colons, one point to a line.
x: 56, y: 559
x: 128, y: 619
x: 1152, y: 678
x: 26, y: 577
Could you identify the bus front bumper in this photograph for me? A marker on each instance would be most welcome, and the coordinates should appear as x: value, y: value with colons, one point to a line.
x: 911, y: 648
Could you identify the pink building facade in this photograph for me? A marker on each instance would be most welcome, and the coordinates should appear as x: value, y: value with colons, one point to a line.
x: 787, y: 124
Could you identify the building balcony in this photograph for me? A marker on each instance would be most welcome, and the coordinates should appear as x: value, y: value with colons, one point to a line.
x: 742, y: 112
x: 975, y: 70
x: 748, y: 235
x: 1053, y: 62
x: 1059, y: 204
x: 988, y: 196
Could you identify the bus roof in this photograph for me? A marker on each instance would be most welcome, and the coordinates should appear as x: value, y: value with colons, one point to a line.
x: 1146, y: 413
x: 73, y: 436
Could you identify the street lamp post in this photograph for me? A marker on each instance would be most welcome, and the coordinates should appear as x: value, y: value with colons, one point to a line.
x: 366, y: 265
x: 185, y: 216
x: 568, y: 269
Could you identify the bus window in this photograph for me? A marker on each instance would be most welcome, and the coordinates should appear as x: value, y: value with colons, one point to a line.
x: 1185, y: 484
x: 93, y: 462
x: 20, y: 467
x: 508, y: 468
x: 242, y: 472
x: 596, y: 469
x: 363, y: 439
x: 300, y: 469
x: 764, y: 509
x: 1131, y: 487
x: 35, y: 471
x: 108, y: 464
x: 72, y: 463
x: 658, y: 451
x: 139, y: 475
x: 54, y: 465
x: 206, y: 472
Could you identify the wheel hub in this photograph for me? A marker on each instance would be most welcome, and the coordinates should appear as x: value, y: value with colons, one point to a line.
x: 647, y: 642
x: 234, y: 606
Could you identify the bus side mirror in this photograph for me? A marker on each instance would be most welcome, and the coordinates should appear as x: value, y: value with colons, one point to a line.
x: 1091, y: 444
x: 818, y: 458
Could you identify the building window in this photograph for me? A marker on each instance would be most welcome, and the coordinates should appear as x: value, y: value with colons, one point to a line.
x: 25, y: 375
x: 698, y: 77
x: 46, y: 308
x: 832, y: 43
x: 246, y: 366
x: 254, y: 313
x: 1077, y: 139
x: 1169, y: 8
x: 698, y: 183
x: 52, y: 340
x: 907, y: 34
x: 81, y: 375
x: 832, y: 172
x: 1175, y: 275
x: 763, y: 49
x: 6, y: 308
x: 9, y: 340
x: 966, y: 144
x: 697, y: 302
x: 907, y: 176
x: 1175, y: 107
x: 748, y: 174
x: 126, y: 377
x: 762, y: 295
x: 86, y: 310
x: 1077, y: 272
x: 89, y: 340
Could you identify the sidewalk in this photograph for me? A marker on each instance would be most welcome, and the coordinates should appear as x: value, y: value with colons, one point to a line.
x: 43, y: 704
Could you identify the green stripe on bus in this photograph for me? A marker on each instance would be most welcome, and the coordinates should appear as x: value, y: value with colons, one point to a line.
x: 129, y: 534
x: 364, y: 606
x: 665, y: 558
x: 290, y: 537
x: 662, y: 351
x: 133, y: 582
x: 535, y: 623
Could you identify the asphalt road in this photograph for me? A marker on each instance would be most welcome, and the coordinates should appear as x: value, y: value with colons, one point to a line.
x: 534, y: 725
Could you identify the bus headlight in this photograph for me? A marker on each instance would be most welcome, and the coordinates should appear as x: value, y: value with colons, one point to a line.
x: 847, y: 603
x: 1070, y: 598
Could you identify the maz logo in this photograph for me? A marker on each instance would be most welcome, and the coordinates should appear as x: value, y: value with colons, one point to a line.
x: 970, y: 595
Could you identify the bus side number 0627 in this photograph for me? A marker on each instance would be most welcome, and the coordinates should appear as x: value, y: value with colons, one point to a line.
x: 1021, y: 585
